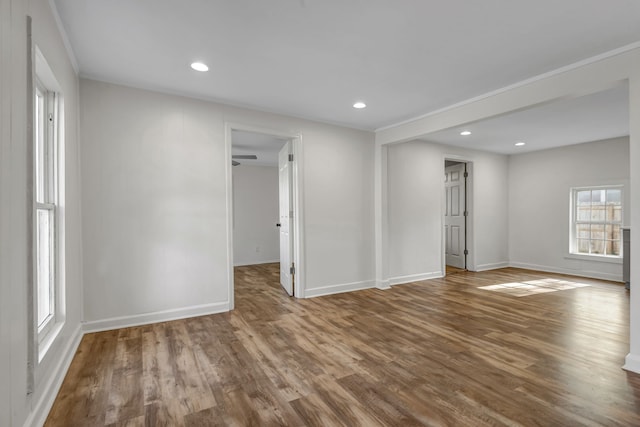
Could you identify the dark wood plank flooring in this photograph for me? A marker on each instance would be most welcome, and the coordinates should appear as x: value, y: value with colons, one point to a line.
x: 438, y: 353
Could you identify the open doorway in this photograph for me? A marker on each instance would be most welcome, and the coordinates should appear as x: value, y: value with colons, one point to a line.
x: 456, y: 214
x: 255, y: 197
x: 263, y: 185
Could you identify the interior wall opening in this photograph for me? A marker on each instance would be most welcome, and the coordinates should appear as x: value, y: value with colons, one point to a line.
x: 262, y: 238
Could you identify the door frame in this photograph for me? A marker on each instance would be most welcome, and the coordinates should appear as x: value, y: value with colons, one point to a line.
x: 470, y: 241
x: 284, y: 217
x: 297, y: 256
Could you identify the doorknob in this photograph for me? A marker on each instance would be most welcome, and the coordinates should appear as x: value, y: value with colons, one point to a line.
x: 278, y: 225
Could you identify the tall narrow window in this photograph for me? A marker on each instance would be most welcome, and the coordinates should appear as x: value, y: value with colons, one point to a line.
x: 46, y: 205
x: 596, y: 221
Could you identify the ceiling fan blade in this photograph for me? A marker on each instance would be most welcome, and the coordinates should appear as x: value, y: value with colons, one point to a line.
x: 234, y: 163
x: 244, y: 156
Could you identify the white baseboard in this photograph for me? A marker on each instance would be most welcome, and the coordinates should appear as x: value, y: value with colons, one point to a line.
x: 155, y: 317
x: 401, y: 280
x: 49, y: 392
x: 632, y: 363
x: 493, y: 266
x: 579, y: 273
x: 338, y: 289
x: 242, y: 264
x: 383, y: 284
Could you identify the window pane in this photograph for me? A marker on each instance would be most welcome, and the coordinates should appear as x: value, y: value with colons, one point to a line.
x: 597, y: 247
x: 598, y: 196
x: 614, y: 204
x: 597, y: 231
x: 615, y: 248
x: 616, y: 213
x: 44, y: 270
x: 583, y: 231
x: 583, y: 246
x: 583, y: 197
x: 40, y: 156
x: 614, y: 196
x: 584, y: 213
x: 597, y: 212
x: 613, y: 232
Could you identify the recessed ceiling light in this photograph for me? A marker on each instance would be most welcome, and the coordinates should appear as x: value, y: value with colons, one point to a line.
x: 465, y: 133
x: 520, y: 144
x: 359, y: 105
x: 199, y: 66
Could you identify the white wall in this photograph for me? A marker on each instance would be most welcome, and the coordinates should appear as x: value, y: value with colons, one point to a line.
x: 339, y: 210
x: 16, y: 408
x: 154, y: 203
x: 255, y: 214
x: 13, y: 226
x: 416, y: 206
x: 539, y: 209
x: 632, y: 361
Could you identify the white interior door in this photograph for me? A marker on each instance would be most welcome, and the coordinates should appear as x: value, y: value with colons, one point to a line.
x: 286, y: 214
x: 454, y: 220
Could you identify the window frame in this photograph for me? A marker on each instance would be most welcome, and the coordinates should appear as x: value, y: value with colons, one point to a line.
x: 574, y: 222
x: 46, y: 192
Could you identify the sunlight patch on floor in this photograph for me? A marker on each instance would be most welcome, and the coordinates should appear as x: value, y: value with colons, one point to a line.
x: 533, y: 287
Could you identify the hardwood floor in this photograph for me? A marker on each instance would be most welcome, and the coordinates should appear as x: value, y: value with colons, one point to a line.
x: 440, y: 353
x: 449, y: 269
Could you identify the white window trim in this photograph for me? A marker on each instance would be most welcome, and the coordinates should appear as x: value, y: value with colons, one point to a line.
x: 47, y: 85
x: 48, y: 120
x: 611, y: 259
x: 573, y: 254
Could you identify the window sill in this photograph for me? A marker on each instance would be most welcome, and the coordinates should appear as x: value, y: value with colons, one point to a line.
x: 48, y: 340
x: 595, y: 258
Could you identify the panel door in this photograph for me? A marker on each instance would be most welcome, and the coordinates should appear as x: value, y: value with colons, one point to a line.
x: 286, y: 213
x: 454, y: 220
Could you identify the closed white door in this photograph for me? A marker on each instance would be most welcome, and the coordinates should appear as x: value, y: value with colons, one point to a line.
x: 286, y: 214
x: 454, y: 219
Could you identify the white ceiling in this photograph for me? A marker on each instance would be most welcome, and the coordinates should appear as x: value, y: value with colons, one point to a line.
x: 314, y: 58
x: 594, y: 117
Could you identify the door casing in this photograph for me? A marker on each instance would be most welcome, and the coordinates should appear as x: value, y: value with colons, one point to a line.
x: 297, y: 224
x: 470, y: 244
x: 454, y: 217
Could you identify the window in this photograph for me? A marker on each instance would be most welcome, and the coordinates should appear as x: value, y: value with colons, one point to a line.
x: 46, y: 206
x: 48, y: 199
x: 596, y: 221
